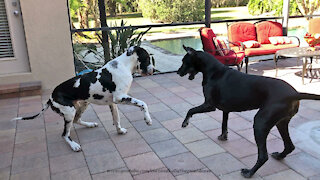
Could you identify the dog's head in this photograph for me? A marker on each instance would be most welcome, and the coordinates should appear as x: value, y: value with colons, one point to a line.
x: 188, y: 64
x: 143, y: 58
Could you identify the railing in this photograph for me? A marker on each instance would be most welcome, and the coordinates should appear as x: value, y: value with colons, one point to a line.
x: 105, y: 29
x: 186, y: 23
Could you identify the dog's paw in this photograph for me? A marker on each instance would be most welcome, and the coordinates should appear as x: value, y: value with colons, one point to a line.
x: 122, y: 131
x: 148, y: 121
x: 88, y: 124
x: 246, y: 173
x: 223, y: 137
x: 75, y: 146
x: 184, y: 124
x: 94, y: 125
x: 277, y: 155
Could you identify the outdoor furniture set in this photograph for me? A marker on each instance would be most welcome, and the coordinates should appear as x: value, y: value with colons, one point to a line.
x: 247, y: 40
x: 261, y: 38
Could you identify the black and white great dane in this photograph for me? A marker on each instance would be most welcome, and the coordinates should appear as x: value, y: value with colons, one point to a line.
x: 108, y: 85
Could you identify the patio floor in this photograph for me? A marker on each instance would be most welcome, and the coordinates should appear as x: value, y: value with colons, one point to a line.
x: 35, y: 150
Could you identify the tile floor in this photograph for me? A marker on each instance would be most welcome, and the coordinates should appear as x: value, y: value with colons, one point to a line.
x: 32, y: 150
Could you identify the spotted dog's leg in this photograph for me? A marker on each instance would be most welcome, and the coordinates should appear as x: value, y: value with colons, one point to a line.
x: 116, y: 119
x: 126, y: 99
x: 68, y: 111
x: 69, y: 114
x: 81, y: 106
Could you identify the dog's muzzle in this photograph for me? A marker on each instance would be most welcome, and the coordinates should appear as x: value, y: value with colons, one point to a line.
x: 191, y: 76
x: 150, y: 71
x: 181, y: 73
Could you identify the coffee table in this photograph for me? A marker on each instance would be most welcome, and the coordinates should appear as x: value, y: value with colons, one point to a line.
x: 299, y: 52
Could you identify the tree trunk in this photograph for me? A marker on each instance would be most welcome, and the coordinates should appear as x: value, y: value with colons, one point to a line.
x: 79, y: 17
x: 308, y: 9
x: 81, y: 21
x: 85, y: 15
x: 120, y: 10
x: 111, y: 4
x: 95, y: 13
x: 237, y: 2
x: 86, y: 18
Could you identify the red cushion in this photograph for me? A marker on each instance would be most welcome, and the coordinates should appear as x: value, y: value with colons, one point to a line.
x: 268, y: 29
x: 266, y: 49
x: 230, y: 59
x: 207, y: 36
x: 242, y: 31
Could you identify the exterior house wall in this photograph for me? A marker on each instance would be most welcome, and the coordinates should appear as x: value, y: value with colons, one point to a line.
x: 48, y: 40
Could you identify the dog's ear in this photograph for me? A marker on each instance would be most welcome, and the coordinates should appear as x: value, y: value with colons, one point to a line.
x: 131, y: 50
x: 189, y: 49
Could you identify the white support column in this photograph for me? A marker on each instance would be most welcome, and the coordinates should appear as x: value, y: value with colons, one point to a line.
x: 285, y: 12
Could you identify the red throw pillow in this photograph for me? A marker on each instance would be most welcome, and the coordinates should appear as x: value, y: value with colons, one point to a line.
x: 251, y: 44
x: 221, y: 46
x: 280, y: 40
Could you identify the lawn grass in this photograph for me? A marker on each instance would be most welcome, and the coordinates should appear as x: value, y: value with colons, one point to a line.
x: 216, y: 14
x: 138, y: 19
x: 229, y: 13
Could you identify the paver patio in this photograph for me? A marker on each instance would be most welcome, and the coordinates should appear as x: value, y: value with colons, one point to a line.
x: 35, y: 150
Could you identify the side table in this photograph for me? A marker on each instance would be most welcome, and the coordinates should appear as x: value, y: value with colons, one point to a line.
x: 299, y: 52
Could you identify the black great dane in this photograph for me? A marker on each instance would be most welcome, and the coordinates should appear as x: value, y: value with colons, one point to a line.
x: 276, y: 100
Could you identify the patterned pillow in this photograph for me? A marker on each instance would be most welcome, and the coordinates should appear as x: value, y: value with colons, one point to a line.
x: 221, y: 46
x: 275, y: 40
x: 251, y: 44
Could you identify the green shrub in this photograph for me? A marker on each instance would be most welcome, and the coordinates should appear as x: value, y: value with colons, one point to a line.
x: 229, y: 3
x: 173, y: 10
x: 257, y: 7
x: 122, y: 39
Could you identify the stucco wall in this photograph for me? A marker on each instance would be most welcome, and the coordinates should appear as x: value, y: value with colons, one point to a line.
x: 48, y: 41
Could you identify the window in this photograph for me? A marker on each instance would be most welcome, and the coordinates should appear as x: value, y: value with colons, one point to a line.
x: 6, y: 50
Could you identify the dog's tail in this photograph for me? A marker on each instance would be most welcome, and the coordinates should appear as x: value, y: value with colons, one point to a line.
x: 46, y: 106
x: 307, y: 96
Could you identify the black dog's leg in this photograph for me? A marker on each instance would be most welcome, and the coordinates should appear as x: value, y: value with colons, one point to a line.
x: 205, y: 107
x: 264, y: 120
x: 224, y: 134
x: 260, y: 133
x: 246, y: 60
x: 288, y: 145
